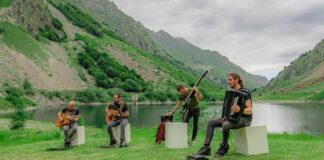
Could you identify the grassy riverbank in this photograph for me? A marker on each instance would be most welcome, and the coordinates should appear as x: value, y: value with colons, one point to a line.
x: 32, y: 143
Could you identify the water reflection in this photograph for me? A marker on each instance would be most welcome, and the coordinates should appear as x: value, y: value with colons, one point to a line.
x: 278, y: 117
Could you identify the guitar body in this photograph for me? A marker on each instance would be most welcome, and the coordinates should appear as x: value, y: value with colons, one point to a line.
x: 112, y: 115
x: 66, y: 120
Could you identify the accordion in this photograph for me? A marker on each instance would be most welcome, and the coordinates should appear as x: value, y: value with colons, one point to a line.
x: 167, y: 118
x: 231, y: 98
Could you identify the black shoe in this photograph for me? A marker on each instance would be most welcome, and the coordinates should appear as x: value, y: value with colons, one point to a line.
x: 222, y: 150
x: 113, y: 142
x: 205, y: 151
x: 122, y: 145
x: 67, y: 144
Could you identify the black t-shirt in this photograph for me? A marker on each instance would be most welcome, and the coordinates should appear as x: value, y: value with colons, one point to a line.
x: 74, y: 112
x: 122, y: 106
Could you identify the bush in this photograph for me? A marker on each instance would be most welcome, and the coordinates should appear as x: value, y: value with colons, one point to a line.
x: 2, y: 30
x: 317, y: 97
x: 50, y: 34
x: 57, y: 24
x: 18, y: 118
x: 85, y: 60
x: 80, y: 18
x: 91, y: 95
x: 105, y: 69
x: 130, y: 86
x: 16, y: 97
x: 160, y: 96
x: 28, y: 87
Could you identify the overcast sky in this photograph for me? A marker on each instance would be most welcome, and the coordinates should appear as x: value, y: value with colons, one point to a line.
x: 261, y: 36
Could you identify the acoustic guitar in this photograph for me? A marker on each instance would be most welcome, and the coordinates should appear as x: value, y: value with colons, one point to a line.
x: 113, y: 114
x: 66, y: 119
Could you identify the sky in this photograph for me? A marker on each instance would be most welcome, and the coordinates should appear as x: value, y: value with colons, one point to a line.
x: 261, y: 36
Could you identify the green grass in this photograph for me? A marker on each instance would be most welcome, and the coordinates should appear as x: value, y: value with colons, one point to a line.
x: 4, y: 104
x: 318, y: 96
x: 5, y: 3
x: 284, y: 96
x: 32, y: 143
x: 313, y: 92
x: 21, y: 41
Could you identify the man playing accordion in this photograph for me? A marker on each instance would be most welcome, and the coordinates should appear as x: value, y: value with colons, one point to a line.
x: 245, y: 118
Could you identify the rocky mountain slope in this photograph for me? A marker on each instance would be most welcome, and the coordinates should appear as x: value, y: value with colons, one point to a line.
x: 304, y: 75
x: 164, y: 45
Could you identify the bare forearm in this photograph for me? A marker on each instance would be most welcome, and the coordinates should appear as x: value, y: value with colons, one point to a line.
x: 248, y: 109
x: 125, y: 115
x: 177, y: 106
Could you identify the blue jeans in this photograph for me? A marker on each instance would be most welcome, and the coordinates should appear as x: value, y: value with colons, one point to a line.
x: 122, y: 122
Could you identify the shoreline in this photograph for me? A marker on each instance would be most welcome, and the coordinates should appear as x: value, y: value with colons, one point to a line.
x: 3, y: 112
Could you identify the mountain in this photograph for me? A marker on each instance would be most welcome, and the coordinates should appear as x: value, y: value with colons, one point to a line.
x: 161, y: 43
x: 218, y: 65
x: 55, y: 51
x: 304, y: 77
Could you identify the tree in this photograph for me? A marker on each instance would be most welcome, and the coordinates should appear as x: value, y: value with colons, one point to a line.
x: 18, y: 118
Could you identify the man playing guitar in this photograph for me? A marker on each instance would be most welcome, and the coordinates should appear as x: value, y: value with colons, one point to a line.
x: 67, y: 120
x: 117, y: 114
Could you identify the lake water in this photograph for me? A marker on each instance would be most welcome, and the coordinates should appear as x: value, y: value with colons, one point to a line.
x: 292, y: 118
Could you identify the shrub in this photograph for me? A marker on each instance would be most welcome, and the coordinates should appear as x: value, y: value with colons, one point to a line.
x: 85, y: 60
x: 16, y: 97
x: 50, y: 34
x: 105, y: 68
x: 317, y: 97
x: 28, y: 87
x: 19, y: 117
x: 57, y: 24
x: 2, y: 30
x: 80, y: 18
x: 91, y: 95
x: 130, y: 86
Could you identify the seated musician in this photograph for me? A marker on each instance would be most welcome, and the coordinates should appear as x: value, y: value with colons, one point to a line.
x: 234, y: 81
x: 117, y: 113
x: 71, y: 114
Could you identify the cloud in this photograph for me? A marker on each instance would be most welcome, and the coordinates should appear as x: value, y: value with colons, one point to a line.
x: 261, y: 36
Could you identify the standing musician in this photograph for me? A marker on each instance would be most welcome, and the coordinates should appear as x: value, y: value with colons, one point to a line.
x: 117, y: 114
x: 68, y: 117
x: 192, y: 109
x: 234, y: 81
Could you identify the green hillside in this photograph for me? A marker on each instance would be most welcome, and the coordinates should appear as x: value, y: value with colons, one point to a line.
x: 302, y: 79
x: 200, y: 59
x: 176, y: 51
x: 89, y: 65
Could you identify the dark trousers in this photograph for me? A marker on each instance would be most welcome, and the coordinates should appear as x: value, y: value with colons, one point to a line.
x: 226, y: 126
x: 122, y: 123
x: 195, y: 113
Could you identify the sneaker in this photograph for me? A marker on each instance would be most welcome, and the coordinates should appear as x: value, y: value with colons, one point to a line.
x: 222, y: 150
x: 67, y: 144
x: 113, y: 142
x: 122, y: 145
x: 205, y: 151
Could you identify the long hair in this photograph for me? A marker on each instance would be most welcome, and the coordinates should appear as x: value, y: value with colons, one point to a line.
x: 236, y: 77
